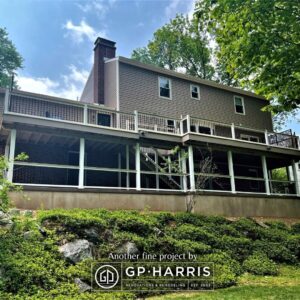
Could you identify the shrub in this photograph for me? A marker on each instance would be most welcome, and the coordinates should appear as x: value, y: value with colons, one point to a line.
x: 293, y: 244
x: 277, y: 225
x: 164, y: 218
x: 188, y: 218
x: 191, y: 232
x: 275, y: 251
x: 295, y: 228
x: 248, y: 228
x: 260, y: 264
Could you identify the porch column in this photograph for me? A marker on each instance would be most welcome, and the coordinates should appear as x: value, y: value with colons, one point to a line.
x: 81, y: 163
x: 183, y: 169
x: 156, y: 170
x: 296, y: 177
x: 127, y: 167
x: 11, y: 157
x: 265, y: 172
x: 138, y: 167
x: 231, y: 171
x: 192, y: 170
x: 119, y: 167
x: 85, y: 114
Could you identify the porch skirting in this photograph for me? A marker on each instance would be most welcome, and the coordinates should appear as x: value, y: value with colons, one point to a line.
x: 238, y: 205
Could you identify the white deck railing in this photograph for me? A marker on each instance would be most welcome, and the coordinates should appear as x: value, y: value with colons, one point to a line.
x: 94, y: 115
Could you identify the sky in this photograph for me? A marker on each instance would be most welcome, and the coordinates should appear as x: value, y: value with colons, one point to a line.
x: 56, y: 37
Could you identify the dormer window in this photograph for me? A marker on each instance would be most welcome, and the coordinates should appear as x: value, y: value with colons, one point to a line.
x: 164, y: 87
x: 239, y: 105
x: 195, y: 91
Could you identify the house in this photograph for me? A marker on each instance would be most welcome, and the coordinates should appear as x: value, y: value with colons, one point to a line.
x: 115, y: 147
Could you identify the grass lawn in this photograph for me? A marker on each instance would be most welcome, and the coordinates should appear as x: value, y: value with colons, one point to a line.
x: 284, y: 286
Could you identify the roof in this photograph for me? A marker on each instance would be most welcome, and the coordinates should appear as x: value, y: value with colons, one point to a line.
x: 175, y: 74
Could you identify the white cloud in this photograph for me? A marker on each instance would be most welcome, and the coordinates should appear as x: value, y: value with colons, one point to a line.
x: 82, y: 31
x: 174, y: 7
x: 100, y: 7
x: 70, y: 86
x: 140, y: 24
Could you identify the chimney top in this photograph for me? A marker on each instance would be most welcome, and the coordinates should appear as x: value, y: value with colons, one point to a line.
x: 103, y: 42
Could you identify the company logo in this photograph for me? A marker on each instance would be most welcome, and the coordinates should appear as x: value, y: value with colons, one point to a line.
x: 107, y: 277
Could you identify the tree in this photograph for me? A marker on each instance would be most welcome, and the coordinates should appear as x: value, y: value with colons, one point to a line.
x: 179, y: 45
x: 10, y: 59
x: 259, y: 44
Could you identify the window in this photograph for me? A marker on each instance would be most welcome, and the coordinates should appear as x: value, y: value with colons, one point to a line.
x: 164, y: 87
x: 195, y: 92
x: 239, y: 105
x: 251, y: 138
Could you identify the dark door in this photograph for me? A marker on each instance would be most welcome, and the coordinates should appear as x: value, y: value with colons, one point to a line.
x: 104, y: 120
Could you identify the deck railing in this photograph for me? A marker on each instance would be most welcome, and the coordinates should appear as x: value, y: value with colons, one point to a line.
x: 94, y: 115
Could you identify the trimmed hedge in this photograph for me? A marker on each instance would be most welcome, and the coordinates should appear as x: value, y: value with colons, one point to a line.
x: 260, y: 264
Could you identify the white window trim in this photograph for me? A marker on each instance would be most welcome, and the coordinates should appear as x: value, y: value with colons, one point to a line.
x: 170, y: 81
x: 234, y: 97
x: 195, y: 85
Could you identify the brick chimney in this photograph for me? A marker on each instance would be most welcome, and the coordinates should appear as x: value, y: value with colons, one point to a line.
x: 104, y: 49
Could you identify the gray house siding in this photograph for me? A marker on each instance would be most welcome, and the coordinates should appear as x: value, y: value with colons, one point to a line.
x: 138, y: 90
x: 88, y: 91
x: 110, y: 84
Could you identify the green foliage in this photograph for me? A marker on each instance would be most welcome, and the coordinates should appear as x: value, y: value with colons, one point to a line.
x: 6, y: 185
x: 178, y: 44
x: 10, y: 59
x: 296, y: 228
x: 259, y: 45
x: 260, y: 264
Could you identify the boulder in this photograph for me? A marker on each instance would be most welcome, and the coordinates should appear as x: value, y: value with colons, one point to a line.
x: 76, y: 251
x: 14, y: 212
x: 5, y: 220
x: 91, y: 233
x: 128, y: 248
x: 28, y: 235
x: 83, y: 287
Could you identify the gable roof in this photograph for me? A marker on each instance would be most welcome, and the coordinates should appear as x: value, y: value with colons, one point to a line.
x: 190, y: 78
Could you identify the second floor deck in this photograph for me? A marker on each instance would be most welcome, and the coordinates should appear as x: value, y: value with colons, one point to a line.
x: 74, y: 112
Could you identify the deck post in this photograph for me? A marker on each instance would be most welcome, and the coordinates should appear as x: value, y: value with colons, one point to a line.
x: 296, y: 178
x: 156, y: 170
x: 231, y: 171
x: 266, y: 137
x: 183, y: 169
x: 232, y: 131
x: 11, y: 157
x: 136, y: 121
x: 191, y: 167
x: 127, y: 167
x: 81, y: 163
x: 6, y: 101
x: 188, y: 123
x: 138, y: 167
x: 265, y: 172
x: 85, y: 114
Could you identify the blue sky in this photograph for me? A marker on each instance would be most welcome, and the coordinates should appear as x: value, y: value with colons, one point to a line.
x: 55, y: 37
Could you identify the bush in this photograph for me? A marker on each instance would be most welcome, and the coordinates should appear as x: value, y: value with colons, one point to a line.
x: 248, y: 228
x: 260, y: 264
x: 191, y: 232
x: 295, y: 228
x: 275, y: 251
x: 277, y: 225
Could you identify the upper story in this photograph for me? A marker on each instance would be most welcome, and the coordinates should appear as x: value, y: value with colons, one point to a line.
x: 127, y: 85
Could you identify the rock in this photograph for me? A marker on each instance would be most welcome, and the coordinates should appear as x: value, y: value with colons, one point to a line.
x: 128, y: 248
x: 28, y: 235
x: 77, y: 250
x: 91, y: 233
x: 158, y: 232
x: 42, y: 230
x: 5, y: 220
x: 83, y: 287
x: 3, y: 215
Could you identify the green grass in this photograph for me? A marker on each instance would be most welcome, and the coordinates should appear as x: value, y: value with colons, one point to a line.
x: 284, y: 286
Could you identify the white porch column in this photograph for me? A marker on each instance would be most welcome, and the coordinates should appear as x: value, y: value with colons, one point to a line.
x: 192, y: 170
x: 127, y: 167
x: 232, y: 131
x: 296, y: 177
x: 119, y: 167
x: 156, y: 170
x: 136, y: 121
x: 138, y: 166
x: 265, y: 172
x: 11, y: 157
x: 231, y: 171
x: 81, y: 163
x: 266, y: 137
x: 85, y: 114
x: 183, y: 169
x: 188, y: 123
x: 6, y: 101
